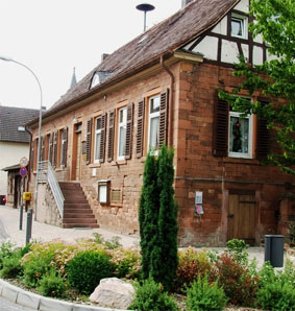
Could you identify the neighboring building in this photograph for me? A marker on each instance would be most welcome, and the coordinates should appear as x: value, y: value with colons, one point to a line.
x: 14, y: 144
x: 161, y: 88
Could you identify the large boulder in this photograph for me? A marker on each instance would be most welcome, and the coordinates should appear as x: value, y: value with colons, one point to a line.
x: 113, y: 293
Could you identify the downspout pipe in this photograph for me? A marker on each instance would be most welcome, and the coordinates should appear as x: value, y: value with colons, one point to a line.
x: 171, y: 102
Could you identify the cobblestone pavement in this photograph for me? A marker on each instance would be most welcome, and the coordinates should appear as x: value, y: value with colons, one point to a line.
x: 6, y: 305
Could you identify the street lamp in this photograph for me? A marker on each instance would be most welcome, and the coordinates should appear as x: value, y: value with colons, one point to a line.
x: 7, y: 59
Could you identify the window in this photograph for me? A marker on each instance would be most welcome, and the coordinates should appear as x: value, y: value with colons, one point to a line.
x: 238, y: 26
x: 64, y: 147
x: 97, y: 139
x: 122, y: 126
x: 154, y: 116
x: 240, y: 135
x: 95, y: 80
x: 234, y: 135
x: 154, y: 111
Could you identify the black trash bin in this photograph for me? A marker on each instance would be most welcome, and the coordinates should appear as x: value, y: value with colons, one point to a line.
x: 274, y: 250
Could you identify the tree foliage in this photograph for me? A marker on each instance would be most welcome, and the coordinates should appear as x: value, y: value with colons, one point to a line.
x: 274, y: 21
x: 158, y: 219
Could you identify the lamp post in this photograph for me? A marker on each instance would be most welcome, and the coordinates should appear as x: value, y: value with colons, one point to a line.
x: 7, y: 59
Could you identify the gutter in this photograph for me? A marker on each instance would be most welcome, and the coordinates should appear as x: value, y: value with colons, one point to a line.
x: 171, y: 101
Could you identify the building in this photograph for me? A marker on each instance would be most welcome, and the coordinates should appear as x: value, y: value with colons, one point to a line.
x: 14, y: 145
x: 161, y: 88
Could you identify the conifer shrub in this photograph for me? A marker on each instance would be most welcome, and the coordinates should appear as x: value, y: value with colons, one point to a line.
x: 151, y: 296
x: 87, y: 268
x: 203, y: 296
x: 158, y: 219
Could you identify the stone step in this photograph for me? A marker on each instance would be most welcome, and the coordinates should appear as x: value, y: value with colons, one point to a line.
x: 79, y: 225
x: 80, y: 214
x: 83, y: 220
x: 77, y: 212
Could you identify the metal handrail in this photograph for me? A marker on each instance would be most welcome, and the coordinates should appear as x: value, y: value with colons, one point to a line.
x: 45, y: 167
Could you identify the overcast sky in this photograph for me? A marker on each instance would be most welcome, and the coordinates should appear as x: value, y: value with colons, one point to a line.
x: 53, y: 36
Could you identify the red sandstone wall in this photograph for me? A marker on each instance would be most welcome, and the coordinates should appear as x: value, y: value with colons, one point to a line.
x: 196, y: 169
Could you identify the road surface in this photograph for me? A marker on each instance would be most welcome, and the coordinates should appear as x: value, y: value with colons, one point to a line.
x: 6, y: 305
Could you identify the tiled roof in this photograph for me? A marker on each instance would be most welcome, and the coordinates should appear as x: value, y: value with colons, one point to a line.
x: 146, y: 49
x: 11, y: 118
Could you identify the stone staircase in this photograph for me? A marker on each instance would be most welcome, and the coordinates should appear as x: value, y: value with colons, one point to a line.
x: 77, y: 212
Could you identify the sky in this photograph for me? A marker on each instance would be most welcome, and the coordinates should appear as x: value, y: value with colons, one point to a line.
x: 51, y: 37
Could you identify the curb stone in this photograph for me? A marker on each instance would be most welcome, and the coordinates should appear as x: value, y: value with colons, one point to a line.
x: 37, y: 302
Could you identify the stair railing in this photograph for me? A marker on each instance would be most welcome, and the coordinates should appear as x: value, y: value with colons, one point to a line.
x: 46, y: 169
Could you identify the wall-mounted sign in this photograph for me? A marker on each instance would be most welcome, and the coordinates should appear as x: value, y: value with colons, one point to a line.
x: 199, y: 197
x: 23, y: 162
x: 199, y: 210
x: 23, y: 171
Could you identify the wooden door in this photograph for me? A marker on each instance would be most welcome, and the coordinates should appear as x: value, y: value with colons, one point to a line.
x: 77, y: 152
x: 242, y: 217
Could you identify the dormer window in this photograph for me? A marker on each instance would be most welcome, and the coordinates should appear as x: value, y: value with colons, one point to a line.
x: 239, y: 26
x: 95, y: 80
x: 21, y: 129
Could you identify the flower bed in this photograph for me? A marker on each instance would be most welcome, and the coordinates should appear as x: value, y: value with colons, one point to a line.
x: 204, y: 281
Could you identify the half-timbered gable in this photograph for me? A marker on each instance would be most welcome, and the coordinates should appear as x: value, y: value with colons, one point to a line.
x: 161, y: 88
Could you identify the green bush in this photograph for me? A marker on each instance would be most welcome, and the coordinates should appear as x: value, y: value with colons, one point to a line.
x: 52, y: 285
x: 38, y: 262
x: 238, y: 249
x: 87, y: 268
x: 126, y: 262
x: 276, y: 291
x: 6, y: 250
x: 202, y: 296
x: 150, y: 296
x: 11, y: 266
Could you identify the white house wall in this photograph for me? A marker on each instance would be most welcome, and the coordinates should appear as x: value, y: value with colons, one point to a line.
x: 229, y: 52
x: 243, y: 6
x: 219, y: 46
x: 221, y: 27
x: 257, y: 55
x: 10, y: 154
x: 209, y: 46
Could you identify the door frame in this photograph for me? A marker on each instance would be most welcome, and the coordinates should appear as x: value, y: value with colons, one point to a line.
x: 230, y: 231
x: 77, y: 129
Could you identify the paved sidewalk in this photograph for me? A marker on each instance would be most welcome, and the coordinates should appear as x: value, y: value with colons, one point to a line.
x: 9, y: 230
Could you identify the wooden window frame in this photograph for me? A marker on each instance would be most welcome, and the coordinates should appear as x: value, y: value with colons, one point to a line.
x: 121, y: 125
x: 249, y: 154
x: 151, y: 116
x: 244, y: 21
x: 95, y: 132
x: 103, y: 197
